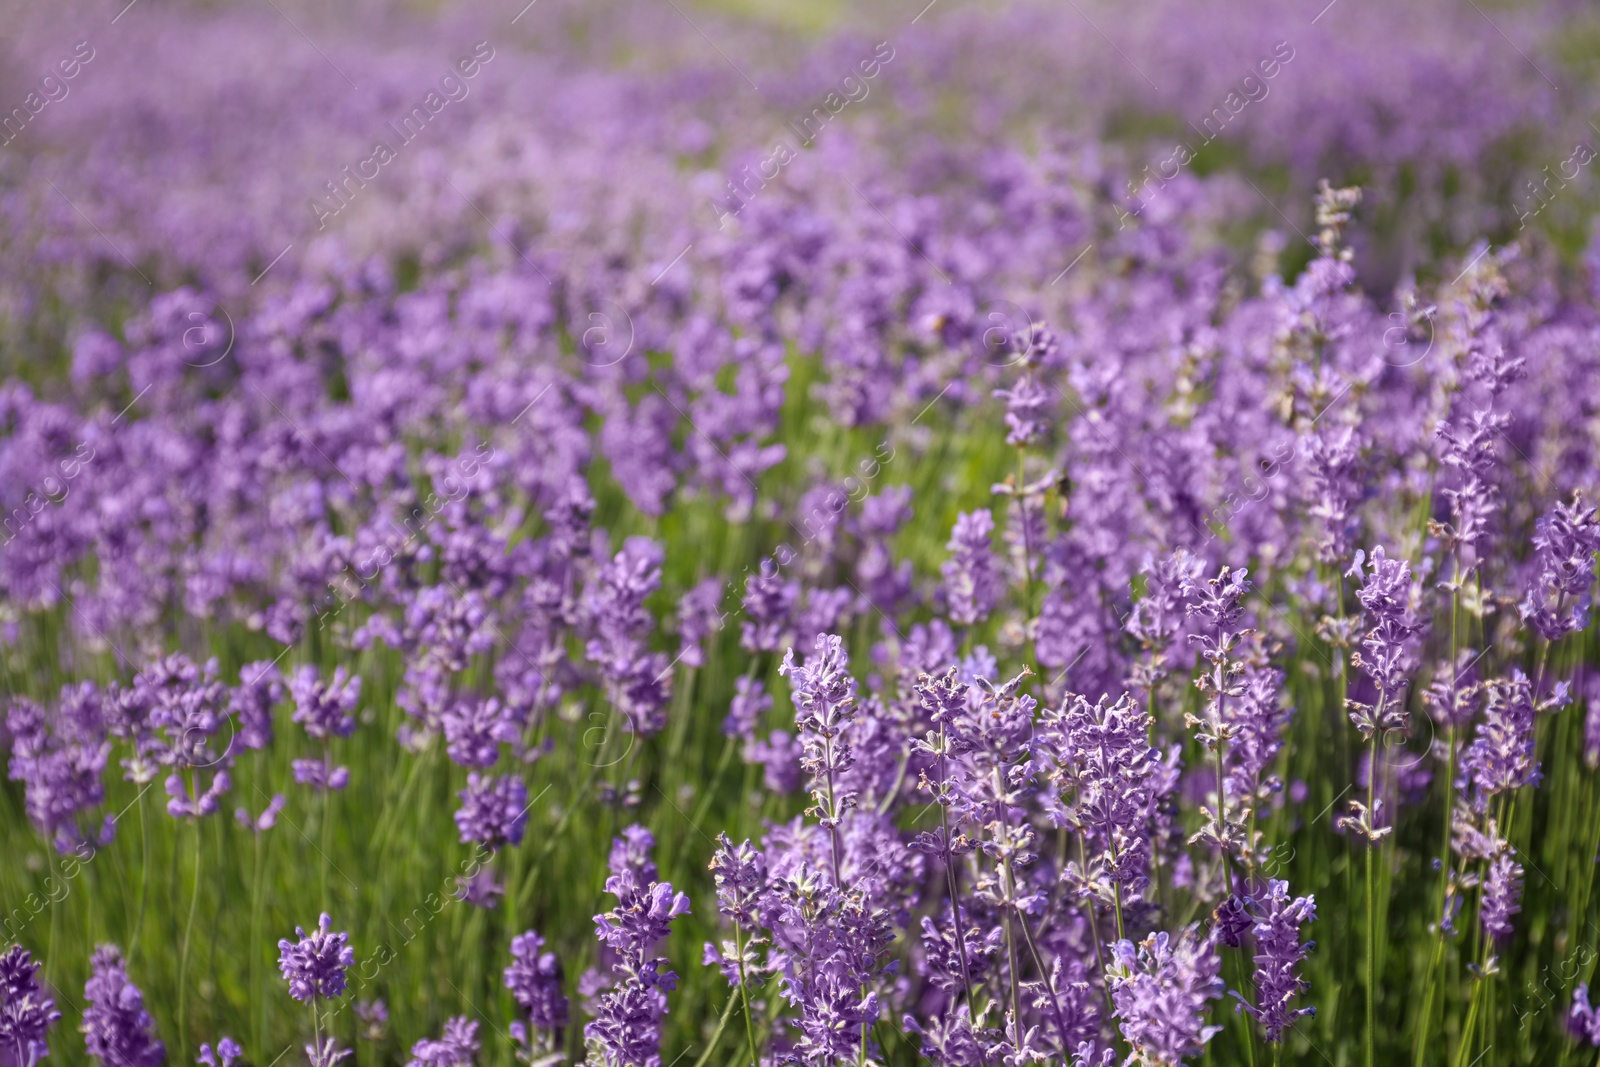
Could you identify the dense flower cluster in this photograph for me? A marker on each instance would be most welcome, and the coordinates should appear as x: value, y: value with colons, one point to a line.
x: 1055, y: 529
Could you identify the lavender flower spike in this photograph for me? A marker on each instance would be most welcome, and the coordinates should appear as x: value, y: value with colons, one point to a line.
x: 971, y: 575
x: 116, y: 1028
x: 1279, y: 951
x: 457, y: 1047
x: 26, y: 1011
x: 314, y: 965
x: 534, y: 979
x: 227, y: 1052
x: 1159, y: 991
x: 626, y: 1031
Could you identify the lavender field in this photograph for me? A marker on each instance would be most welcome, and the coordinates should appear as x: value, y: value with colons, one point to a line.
x: 729, y: 533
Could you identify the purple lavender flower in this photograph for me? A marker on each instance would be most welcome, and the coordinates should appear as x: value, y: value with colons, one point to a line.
x: 1502, y: 893
x: 251, y: 702
x: 116, y: 1027
x: 631, y: 852
x: 971, y: 575
x: 769, y: 602
x: 494, y: 810
x: 320, y: 774
x: 1027, y: 413
x: 741, y: 878
x: 626, y: 1030
x: 26, y: 1011
x: 475, y: 730
x: 1279, y: 953
x: 456, y: 1047
x: 314, y: 964
x: 1583, y: 1021
x: 61, y: 778
x: 373, y: 1015
x: 1160, y: 990
x: 1105, y: 762
x: 1502, y: 755
x: 750, y: 702
x: 699, y: 616
x: 637, y: 679
x: 481, y: 888
x: 325, y: 709
x: 534, y: 979
x: 227, y: 1051
x: 1557, y: 598
x: 824, y: 697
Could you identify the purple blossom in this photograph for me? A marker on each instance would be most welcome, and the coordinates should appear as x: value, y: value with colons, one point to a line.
x: 320, y: 774
x: 27, y: 1011
x: 1583, y: 1021
x: 227, y: 1051
x: 1279, y: 953
x: 534, y: 979
x: 1557, y: 598
x: 116, y: 1027
x: 1502, y: 755
x: 251, y: 702
x: 314, y: 964
x: 1106, y: 765
x: 61, y: 778
x: 475, y: 730
x: 494, y: 810
x: 325, y: 709
x: 1027, y: 409
x: 699, y: 616
x: 769, y: 602
x: 456, y: 1047
x: 637, y: 679
x: 824, y: 696
x: 626, y: 1029
x: 1159, y: 990
x: 972, y: 582
x: 750, y: 702
x: 1502, y: 894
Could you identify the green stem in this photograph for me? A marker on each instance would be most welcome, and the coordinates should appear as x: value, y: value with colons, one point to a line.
x: 256, y: 996
x: 744, y: 993
x: 144, y: 880
x: 1372, y: 896
x: 327, y: 800
x: 183, y: 952
x: 722, y: 1024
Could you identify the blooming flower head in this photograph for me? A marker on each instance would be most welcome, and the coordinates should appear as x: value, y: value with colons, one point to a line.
x: 456, y: 1047
x: 1159, y: 989
x: 116, y: 1027
x: 1279, y: 953
x: 325, y: 709
x: 227, y: 1051
x: 534, y: 979
x: 1502, y: 893
x: 314, y: 964
x: 26, y: 1011
x: 626, y: 1029
x: 972, y: 582
x: 1557, y: 597
x: 494, y: 810
x: 1583, y: 1020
